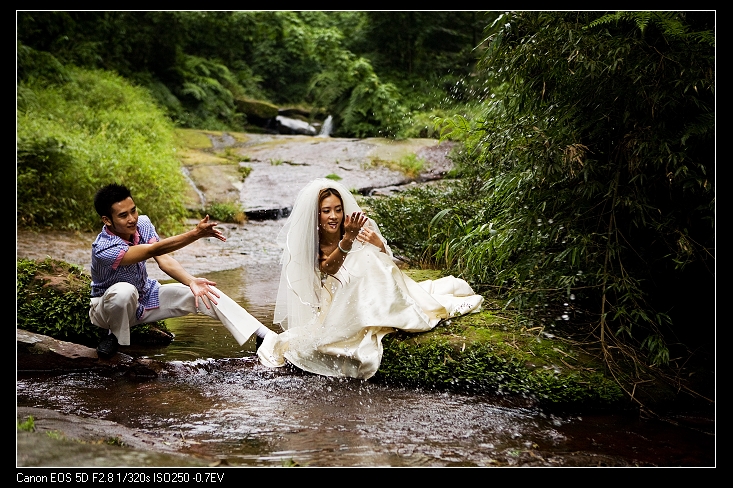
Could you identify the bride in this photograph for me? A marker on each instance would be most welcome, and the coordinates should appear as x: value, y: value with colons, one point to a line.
x: 340, y: 291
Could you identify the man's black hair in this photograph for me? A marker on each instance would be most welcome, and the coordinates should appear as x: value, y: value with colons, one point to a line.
x: 109, y: 195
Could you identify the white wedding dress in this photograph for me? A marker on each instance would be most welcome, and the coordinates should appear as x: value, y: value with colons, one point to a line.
x: 368, y: 298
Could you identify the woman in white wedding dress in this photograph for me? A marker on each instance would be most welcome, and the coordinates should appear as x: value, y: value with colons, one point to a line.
x: 340, y: 291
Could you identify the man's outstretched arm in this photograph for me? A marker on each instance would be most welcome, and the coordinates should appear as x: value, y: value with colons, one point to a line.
x: 141, y: 252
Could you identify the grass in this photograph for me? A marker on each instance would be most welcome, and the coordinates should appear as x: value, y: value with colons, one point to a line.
x: 28, y: 425
x: 230, y: 212
x: 409, y: 164
x: 245, y: 171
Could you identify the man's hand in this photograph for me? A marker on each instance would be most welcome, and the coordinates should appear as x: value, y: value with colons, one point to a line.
x: 207, y: 229
x: 201, y: 287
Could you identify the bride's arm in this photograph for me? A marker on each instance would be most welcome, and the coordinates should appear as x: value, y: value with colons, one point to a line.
x: 332, y: 262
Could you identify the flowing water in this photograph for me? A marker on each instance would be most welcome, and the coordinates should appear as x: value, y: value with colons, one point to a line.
x: 223, y: 404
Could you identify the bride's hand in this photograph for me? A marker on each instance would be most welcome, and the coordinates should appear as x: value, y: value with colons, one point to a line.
x: 368, y: 235
x: 353, y: 224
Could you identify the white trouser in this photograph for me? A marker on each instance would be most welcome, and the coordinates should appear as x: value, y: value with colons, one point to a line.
x: 115, y: 310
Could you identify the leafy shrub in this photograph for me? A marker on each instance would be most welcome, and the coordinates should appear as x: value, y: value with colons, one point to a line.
x: 362, y: 104
x: 207, y: 94
x: 594, y: 169
x: 94, y: 129
x: 231, y: 212
x: 53, y: 300
x: 406, y: 219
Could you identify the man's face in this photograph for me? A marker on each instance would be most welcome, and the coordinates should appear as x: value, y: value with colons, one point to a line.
x: 124, y: 218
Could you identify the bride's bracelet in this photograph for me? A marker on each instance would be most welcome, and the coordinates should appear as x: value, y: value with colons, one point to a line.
x: 342, y: 249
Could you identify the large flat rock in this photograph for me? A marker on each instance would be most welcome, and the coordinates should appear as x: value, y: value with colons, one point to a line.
x: 282, y: 165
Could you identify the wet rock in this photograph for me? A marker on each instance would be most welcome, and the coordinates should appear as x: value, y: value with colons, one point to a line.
x: 257, y: 112
x: 277, y: 166
x: 221, y: 141
x: 40, y: 353
x: 286, y: 125
x: 60, y: 439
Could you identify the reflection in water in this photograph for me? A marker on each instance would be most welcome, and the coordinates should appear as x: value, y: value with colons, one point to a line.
x: 200, y: 336
x: 223, y: 405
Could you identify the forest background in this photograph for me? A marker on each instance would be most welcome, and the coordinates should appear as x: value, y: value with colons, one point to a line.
x: 585, y: 173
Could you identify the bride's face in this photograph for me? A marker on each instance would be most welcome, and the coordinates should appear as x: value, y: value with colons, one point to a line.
x: 331, y: 215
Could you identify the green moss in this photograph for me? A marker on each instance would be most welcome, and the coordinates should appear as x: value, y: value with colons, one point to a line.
x: 423, y: 274
x: 486, y: 353
x: 258, y: 109
x: 192, y: 139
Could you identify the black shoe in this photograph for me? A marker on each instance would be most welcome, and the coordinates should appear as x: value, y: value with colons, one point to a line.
x: 107, y: 347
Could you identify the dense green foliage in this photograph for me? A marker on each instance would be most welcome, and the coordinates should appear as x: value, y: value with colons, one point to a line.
x: 196, y: 64
x: 89, y: 129
x: 589, y: 179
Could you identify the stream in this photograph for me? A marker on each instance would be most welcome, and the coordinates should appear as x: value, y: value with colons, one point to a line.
x: 223, y: 405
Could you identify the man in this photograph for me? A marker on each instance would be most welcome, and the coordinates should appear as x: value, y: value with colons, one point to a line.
x: 122, y: 293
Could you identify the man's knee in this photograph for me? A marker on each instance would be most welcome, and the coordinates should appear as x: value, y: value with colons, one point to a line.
x: 120, y: 296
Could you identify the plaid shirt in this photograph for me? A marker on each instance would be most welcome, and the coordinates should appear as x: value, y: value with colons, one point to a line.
x: 108, y: 250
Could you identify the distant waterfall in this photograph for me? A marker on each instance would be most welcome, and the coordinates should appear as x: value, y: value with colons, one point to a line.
x: 186, y: 173
x: 327, y: 127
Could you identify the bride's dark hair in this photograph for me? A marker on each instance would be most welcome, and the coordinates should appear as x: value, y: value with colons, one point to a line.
x: 327, y: 192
